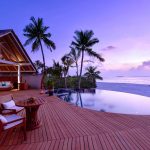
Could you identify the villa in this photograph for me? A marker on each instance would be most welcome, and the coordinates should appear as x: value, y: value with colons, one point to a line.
x: 57, y: 124
x: 16, y: 67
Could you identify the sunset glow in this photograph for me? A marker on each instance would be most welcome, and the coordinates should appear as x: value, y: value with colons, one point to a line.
x: 124, y: 34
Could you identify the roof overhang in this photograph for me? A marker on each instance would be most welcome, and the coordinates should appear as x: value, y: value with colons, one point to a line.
x: 12, y: 54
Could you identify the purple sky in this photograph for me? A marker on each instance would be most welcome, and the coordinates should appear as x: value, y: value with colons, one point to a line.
x: 122, y: 26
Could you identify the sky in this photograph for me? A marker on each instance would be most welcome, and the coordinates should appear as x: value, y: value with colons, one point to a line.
x: 122, y: 26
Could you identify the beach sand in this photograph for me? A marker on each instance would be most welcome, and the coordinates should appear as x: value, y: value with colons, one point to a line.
x: 140, y: 89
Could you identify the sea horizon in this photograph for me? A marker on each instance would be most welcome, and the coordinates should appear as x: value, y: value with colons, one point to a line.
x: 127, y: 79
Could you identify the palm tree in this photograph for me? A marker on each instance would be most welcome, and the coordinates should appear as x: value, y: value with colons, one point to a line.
x: 92, y: 73
x: 84, y: 41
x: 38, y: 65
x: 37, y: 34
x: 75, y: 55
x: 67, y: 62
x: 57, y: 69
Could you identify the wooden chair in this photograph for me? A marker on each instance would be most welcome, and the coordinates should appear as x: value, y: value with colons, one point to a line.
x: 13, y: 121
x: 7, y: 98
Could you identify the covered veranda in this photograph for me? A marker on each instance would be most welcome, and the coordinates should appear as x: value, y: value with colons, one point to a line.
x: 14, y: 60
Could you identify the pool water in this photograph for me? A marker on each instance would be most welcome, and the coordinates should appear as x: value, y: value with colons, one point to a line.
x: 111, y: 101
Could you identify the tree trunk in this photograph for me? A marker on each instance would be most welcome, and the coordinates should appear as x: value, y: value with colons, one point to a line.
x: 66, y: 76
x: 79, y: 86
x: 77, y: 69
x: 42, y: 56
x: 42, y: 82
x: 65, y: 82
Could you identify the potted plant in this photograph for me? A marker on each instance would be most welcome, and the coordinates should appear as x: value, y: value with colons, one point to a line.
x: 50, y: 87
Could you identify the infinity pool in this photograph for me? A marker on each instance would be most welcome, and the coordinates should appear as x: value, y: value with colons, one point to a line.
x: 111, y: 101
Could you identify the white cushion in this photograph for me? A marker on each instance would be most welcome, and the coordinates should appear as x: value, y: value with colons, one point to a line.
x: 8, y: 126
x: 7, y: 83
x: 8, y: 104
x: 17, y: 108
x: 4, y: 87
x: 12, y: 118
x: 3, y: 119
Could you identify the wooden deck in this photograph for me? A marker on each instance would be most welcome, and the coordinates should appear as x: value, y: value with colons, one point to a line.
x: 67, y: 127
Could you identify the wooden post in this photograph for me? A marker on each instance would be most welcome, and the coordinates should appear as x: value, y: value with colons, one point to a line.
x: 19, y: 76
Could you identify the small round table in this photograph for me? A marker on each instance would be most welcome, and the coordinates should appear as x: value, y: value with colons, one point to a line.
x: 32, y: 121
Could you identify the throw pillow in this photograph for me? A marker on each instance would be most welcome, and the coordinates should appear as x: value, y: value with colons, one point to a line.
x: 8, y: 104
x: 3, y: 119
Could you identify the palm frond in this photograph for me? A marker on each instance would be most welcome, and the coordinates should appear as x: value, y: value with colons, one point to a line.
x: 92, y: 42
x: 40, y: 24
x: 28, y: 41
x: 47, y: 35
x: 34, y: 21
x: 35, y: 45
x: 92, y: 73
x: 99, y: 77
x: 94, y: 54
x: 49, y: 44
x: 88, y: 34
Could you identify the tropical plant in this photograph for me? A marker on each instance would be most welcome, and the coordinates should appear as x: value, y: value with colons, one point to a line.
x: 37, y: 35
x: 92, y: 73
x: 75, y: 55
x: 56, y: 69
x: 67, y: 62
x: 50, y: 84
x: 49, y: 71
x: 83, y: 42
x: 38, y: 65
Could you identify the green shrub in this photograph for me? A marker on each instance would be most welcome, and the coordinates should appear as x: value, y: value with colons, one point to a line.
x: 72, y: 82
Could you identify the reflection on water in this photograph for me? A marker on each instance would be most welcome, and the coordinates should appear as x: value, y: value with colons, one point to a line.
x: 102, y: 110
x: 111, y: 101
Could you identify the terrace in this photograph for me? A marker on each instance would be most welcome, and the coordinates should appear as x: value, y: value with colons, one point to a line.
x: 65, y: 126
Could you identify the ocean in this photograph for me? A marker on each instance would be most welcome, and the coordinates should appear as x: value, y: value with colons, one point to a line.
x: 133, y: 80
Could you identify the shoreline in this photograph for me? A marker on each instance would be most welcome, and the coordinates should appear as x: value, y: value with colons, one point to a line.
x: 139, y: 89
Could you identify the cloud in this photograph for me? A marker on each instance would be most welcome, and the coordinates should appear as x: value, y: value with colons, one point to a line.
x: 108, y: 48
x: 145, y: 66
x: 146, y: 63
x: 126, y: 56
x: 141, y: 69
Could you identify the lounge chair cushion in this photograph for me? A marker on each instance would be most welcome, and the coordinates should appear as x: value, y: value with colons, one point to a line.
x: 8, y: 104
x: 3, y: 119
x: 17, y: 108
x: 12, y: 118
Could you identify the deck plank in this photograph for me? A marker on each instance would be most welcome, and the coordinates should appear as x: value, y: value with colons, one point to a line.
x: 67, y: 127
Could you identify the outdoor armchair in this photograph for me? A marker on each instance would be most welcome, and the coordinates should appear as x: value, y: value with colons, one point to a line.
x: 12, y: 121
x: 7, y: 103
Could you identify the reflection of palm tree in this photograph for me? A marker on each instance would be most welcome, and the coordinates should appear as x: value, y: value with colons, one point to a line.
x: 92, y: 73
x: 79, y: 99
x: 84, y: 41
x: 36, y: 34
